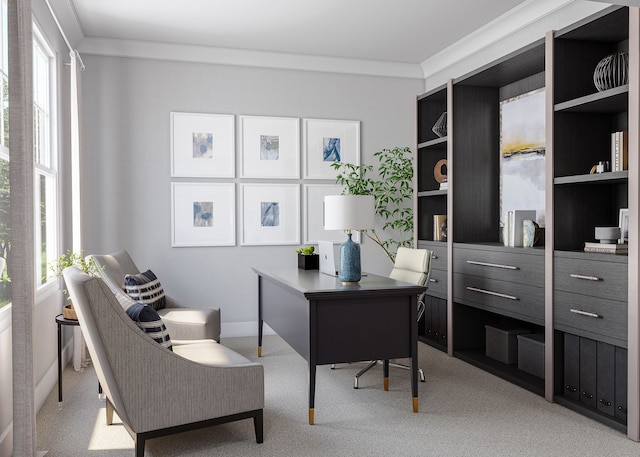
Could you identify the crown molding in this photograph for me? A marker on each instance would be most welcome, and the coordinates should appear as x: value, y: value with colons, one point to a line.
x: 519, y: 27
x: 225, y: 56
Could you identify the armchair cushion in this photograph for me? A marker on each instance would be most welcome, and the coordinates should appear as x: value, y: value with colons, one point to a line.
x: 145, y: 288
x: 148, y: 320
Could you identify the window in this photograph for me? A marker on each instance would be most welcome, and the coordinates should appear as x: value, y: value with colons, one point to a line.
x: 45, y: 159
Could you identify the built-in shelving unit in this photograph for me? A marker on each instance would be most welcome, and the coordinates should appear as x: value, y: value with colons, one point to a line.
x: 585, y: 304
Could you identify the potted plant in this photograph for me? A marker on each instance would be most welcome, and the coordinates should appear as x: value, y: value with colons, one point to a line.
x: 69, y: 259
x: 392, y: 190
x: 307, y: 260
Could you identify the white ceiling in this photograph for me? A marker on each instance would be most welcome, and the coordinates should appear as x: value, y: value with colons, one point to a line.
x: 407, y: 31
x: 400, y: 33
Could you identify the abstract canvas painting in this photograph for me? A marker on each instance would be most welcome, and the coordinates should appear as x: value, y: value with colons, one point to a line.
x: 522, y: 154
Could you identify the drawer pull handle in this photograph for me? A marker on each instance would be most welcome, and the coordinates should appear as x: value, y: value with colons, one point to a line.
x: 433, y: 280
x: 494, y: 265
x: 489, y: 292
x: 585, y: 313
x: 588, y: 278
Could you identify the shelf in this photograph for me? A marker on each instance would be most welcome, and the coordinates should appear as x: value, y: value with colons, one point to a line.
x: 432, y: 143
x: 609, y: 101
x: 612, y: 177
x: 432, y: 193
x: 510, y: 373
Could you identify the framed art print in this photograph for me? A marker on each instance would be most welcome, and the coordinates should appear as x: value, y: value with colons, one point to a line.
x: 202, y: 145
x: 203, y: 214
x: 270, y: 214
x: 270, y: 147
x: 326, y: 142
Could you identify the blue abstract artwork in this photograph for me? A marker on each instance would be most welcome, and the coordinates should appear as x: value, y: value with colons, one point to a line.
x: 203, y: 214
x: 269, y: 147
x: 331, y: 149
x: 269, y: 214
x: 202, y: 145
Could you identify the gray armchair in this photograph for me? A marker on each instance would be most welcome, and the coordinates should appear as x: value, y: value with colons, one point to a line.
x: 183, y: 323
x: 155, y: 391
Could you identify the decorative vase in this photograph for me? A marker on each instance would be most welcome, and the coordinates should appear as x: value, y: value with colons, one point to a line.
x: 349, y: 271
x: 440, y: 127
x: 612, y: 71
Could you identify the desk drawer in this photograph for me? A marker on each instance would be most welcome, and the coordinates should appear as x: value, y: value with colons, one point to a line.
x: 517, y: 265
x: 520, y: 301
x: 591, y: 277
x: 437, y: 283
x: 439, y: 253
x: 592, y: 317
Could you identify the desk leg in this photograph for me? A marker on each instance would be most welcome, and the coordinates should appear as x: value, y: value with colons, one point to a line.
x: 59, y: 362
x: 414, y: 379
x: 312, y: 391
x: 260, y: 321
x: 385, y: 369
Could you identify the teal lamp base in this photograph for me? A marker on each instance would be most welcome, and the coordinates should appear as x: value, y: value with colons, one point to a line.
x: 349, y: 270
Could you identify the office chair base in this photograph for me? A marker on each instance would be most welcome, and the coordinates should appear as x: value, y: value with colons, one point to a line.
x: 391, y: 364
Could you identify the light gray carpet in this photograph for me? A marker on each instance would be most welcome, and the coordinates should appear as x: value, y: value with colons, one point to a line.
x: 464, y: 411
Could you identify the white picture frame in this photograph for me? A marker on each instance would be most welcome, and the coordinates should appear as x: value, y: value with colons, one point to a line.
x: 328, y: 141
x: 270, y: 214
x: 202, y: 145
x: 313, y: 204
x: 623, y: 223
x: 203, y: 214
x: 270, y: 147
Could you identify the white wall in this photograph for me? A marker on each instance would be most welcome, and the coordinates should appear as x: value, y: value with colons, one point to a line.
x: 127, y: 205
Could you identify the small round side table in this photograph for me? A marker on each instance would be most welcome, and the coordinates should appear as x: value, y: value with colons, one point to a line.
x: 61, y: 320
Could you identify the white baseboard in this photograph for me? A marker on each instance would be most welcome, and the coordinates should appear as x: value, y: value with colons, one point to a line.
x: 237, y: 329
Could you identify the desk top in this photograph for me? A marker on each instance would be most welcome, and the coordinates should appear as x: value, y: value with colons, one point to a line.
x: 313, y: 284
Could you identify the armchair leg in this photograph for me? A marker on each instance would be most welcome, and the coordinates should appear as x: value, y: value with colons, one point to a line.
x: 257, y: 425
x: 109, y: 413
x: 139, y: 440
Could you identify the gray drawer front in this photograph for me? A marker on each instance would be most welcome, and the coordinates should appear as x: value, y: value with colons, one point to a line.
x: 505, y: 266
x: 526, y: 302
x: 590, y: 277
x: 593, y: 317
x: 438, y: 284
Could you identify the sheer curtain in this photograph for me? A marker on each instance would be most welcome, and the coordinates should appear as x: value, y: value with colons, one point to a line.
x: 21, y: 179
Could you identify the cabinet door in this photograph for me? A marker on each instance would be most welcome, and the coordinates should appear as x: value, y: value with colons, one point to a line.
x: 442, y: 320
x: 605, y: 377
x: 571, y: 366
x: 621, y: 384
x: 588, y: 357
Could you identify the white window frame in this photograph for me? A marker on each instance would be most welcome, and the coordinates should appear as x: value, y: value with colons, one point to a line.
x: 51, y: 171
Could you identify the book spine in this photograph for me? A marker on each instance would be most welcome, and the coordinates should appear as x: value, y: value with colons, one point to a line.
x: 616, y: 162
x: 511, y: 222
x: 624, y: 150
x: 605, y: 250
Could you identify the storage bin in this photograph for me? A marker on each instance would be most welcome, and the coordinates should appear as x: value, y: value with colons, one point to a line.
x: 531, y: 354
x: 502, y: 342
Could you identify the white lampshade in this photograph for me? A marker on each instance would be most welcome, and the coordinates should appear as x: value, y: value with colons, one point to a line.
x: 349, y: 212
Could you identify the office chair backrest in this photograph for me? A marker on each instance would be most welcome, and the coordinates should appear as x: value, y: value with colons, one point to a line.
x: 412, y: 265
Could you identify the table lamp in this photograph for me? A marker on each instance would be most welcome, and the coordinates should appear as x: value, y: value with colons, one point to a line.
x: 349, y: 212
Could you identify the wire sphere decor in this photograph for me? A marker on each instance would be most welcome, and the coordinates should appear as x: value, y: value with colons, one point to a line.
x: 612, y: 71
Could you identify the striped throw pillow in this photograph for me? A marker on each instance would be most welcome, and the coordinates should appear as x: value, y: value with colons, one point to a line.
x: 145, y: 288
x: 150, y: 323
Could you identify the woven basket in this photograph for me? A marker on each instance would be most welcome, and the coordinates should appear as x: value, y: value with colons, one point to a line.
x: 69, y: 313
x: 612, y: 71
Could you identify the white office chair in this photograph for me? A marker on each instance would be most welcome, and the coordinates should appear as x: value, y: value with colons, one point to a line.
x: 413, y: 266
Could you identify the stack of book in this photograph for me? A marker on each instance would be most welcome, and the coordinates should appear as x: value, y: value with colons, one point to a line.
x: 444, y: 184
x: 606, y: 248
x: 512, y: 234
x: 619, y: 151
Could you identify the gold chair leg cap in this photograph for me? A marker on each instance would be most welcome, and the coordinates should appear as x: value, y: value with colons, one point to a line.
x: 386, y: 383
x: 415, y: 404
x: 259, y: 351
x: 311, y: 418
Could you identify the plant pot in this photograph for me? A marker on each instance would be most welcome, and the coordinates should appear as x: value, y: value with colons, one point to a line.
x: 308, y: 262
x: 69, y: 313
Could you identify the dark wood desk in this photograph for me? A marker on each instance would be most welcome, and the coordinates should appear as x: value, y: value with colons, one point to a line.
x: 326, y: 322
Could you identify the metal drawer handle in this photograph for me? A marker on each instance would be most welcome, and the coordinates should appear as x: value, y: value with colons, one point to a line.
x: 488, y: 292
x: 433, y: 256
x: 588, y: 278
x: 494, y: 265
x: 433, y: 280
x: 585, y: 313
